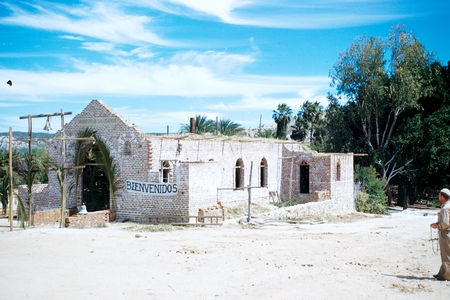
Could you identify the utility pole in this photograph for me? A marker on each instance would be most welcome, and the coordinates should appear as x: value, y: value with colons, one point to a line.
x: 249, y: 189
x: 11, y: 202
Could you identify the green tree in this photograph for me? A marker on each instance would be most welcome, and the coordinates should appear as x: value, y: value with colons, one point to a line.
x: 228, y: 127
x: 282, y: 117
x: 201, y: 125
x: 380, y: 92
x: 338, y: 133
x: 371, y: 197
x: 312, y: 113
x: 299, y: 129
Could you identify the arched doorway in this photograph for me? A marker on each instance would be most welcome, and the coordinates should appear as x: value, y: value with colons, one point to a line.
x: 95, y: 186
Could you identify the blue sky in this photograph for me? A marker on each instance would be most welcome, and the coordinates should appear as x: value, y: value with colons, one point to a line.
x: 159, y: 62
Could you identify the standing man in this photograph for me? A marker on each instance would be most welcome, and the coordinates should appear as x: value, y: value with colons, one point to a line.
x: 443, y: 225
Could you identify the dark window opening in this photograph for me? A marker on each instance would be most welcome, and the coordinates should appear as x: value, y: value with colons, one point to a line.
x: 239, y: 174
x: 166, y: 172
x: 304, y: 178
x: 338, y: 171
x: 263, y: 173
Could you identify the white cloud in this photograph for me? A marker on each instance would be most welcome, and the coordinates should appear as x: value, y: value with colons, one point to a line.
x: 71, y: 37
x: 303, y: 14
x: 99, y: 47
x: 102, y: 21
x: 218, y: 62
x: 219, y: 8
x: 144, y: 79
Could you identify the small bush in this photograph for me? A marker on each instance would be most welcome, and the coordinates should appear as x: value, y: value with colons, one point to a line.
x: 285, y: 203
x: 372, y: 198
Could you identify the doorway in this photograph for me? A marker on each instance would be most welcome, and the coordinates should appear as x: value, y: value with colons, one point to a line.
x: 95, y: 185
x: 304, y: 178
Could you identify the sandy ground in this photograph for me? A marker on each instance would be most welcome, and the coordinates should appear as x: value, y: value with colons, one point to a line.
x: 388, y: 257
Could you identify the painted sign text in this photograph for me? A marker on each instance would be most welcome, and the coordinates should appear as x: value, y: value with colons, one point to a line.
x: 96, y: 122
x: 152, y: 188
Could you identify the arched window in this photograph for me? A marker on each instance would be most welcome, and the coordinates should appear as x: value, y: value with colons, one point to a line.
x: 304, y: 177
x: 263, y: 173
x: 338, y: 170
x: 239, y: 174
x: 167, y: 172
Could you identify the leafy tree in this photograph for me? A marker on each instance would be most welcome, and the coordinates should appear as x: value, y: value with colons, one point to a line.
x: 228, y: 127
x: 299, y: 129
x: 282, y: 117
x: 381, y: 92
x: 201, y: 125
x: 338, y: 133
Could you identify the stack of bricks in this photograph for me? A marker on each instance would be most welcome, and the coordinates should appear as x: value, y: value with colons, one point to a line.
x: 91, y: 219
x: 213, y: 211
x: 46, y: 217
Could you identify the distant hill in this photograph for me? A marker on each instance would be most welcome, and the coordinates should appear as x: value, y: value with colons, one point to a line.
x: 20, y: 140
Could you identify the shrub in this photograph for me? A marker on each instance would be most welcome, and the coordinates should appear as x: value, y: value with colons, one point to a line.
x: 371, y: 198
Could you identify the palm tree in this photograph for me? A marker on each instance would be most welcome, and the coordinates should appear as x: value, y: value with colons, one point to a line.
x: 312, y: 113
x: 282, y: 117
x: 110, y: 169
x: 22, y: 215
x: 201, y: 125
x: 228, y: 127
x: 80, y: 153
x: 299, y: 129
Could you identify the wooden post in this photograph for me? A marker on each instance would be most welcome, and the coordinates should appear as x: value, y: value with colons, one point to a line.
x: 192, y: 123
x: 290, y: 178
x: 249, y: 188
x: 62, y: 222
x: 11, y: 202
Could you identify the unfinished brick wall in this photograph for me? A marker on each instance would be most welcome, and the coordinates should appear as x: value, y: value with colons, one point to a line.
x: 47, y: 217
x: 91, y: 219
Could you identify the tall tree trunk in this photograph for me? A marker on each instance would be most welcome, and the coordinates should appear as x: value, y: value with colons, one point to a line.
x: 403, y: 196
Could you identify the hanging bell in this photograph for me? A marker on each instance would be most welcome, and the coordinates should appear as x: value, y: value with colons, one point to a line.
x: 83, y: 210
x: 48, y: 126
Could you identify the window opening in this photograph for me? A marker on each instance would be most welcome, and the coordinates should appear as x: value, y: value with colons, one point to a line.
x: 263, y: 173
x: 167, y: 172
x: 304, y: 178
x: 239, y: 174
x: 338, y: 171
x: 127, y: 148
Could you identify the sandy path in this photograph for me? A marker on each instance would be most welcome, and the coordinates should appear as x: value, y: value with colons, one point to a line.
x: 377, y: 258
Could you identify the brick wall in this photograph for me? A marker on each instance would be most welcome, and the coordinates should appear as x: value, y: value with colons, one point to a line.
x: 47, y: 217
x: 40, y: 196
x: 91, y: 219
